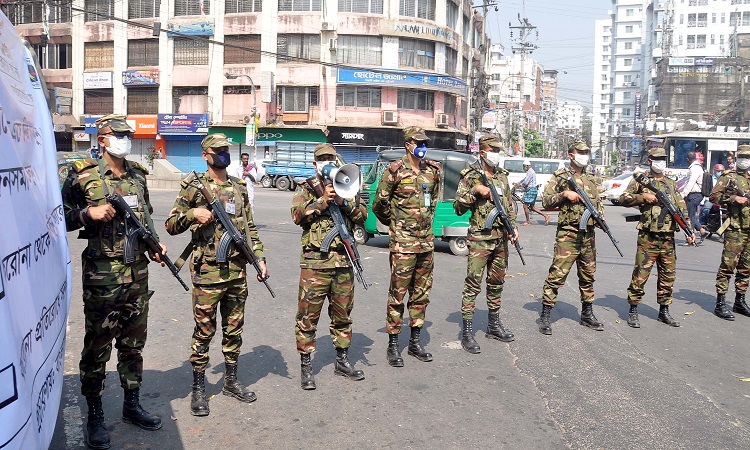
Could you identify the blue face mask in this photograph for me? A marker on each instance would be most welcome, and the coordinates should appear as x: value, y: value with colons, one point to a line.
x: 221, y: 160
x: 420, y: 151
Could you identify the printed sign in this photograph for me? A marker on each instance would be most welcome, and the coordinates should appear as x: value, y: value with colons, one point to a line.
x: 97, y: 80
x: 140, y: 78
x: 400, y: 78
x: 202, y: 28
x: 182, y: 124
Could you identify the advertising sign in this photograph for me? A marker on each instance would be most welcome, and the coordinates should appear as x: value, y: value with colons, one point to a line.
x: 97, y: 80
x: 681, y: 61
x: 63, y: 92
x: 401, y: 78
x: 140, y: 78
x: 489, y: 120
x: 90, y: 125
x: 143, y: 126
x: 416, y: 30
x: 704, y: 61
x: 202, y: 28
x: 182, y: 123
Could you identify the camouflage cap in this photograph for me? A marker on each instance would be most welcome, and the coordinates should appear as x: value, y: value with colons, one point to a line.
x: 657, y: 152
x: 415, y: 133
x: 743, y: 151
x: 491, y: 140
x: 215, y: 140
x: 577, y: 145
x: 324, y: 149
x: 115, y: 122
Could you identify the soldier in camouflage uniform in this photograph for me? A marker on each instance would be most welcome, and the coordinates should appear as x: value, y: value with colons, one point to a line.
x: 729, y: 193
x: 571, y: 244
x: 655, y: 238
x: 115, y: 294
x: 324, y: 274
x: 487, y: 247
x: 405, y: 200
x: 216, y: 286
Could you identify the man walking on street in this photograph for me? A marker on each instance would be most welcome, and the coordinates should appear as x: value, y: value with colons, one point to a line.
x: 529, y: 186
x: 247, y: 173
x: 691, y: 192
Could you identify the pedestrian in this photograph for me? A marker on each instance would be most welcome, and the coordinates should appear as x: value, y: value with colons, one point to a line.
x: 571, y: 243
x: 405, y: 200
x: 655, y: 238
x: 487, y: 247
x: 691, y: 191
x: 731, y: 164
x: 735, y: 259
x: 529, y: 186
x: 216, y: 286
x: 115, y: 293
x: 324, y: 274
x: 247, y: 172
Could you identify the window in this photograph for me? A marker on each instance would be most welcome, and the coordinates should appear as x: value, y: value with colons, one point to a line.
x: 297, y: 98
x: 99, y: 55
x: 54, y: 56
x: 628, y: 46
x: 424, y: 9
x: 24, y: 12
x: 626, y: 95
x: 192, y: 8
x: 190, y: 52
x: 605, y: 48
x: 242, y: 6
x: 679, y: 40
x: 713, y: 39
x: 605, y: 39
x: 190, y: 100
x: 465, y: 68
x: 143, y: 52
x: 628, y: 13
x: 604, y: 77
x: 627, y: 62
x: 366, y: 50
x: 700, y: 41
x: 465, y: 30
x: 603, y: 97
x: 702, y: 20
x: 416, y: 53
x: 627, y: 79
x: 417, y: 100
x: 361, y: 6
x: 629, y: 28
x: 692, y: 20
x: 746, y: 18
x: 242, y: 49
x: 139, y: 9
x: 98, y: 101
x: 734, y: 18
x: 98, y: 10
x: 60, y: 12
x: 143, y: 100
x: 449, y: 104
x: 290, y: 47
x: 299, y: 5
x: 721, y: 39
x: 626, y: 111
x: 723, y: 17
x: 451, y: 61
x: 691, y: 41
x: 682, y: 19
x: 713, y: 17
x: 358, y: 96
x: 451, y: 14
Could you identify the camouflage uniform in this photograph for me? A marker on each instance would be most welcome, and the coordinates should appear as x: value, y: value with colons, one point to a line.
x: 736, y: 254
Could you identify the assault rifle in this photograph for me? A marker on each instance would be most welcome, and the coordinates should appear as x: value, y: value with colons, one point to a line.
x: 591, y: 212
x: 666, y: 204
x: 135, y: 230
x: 231, y: 234
x: 499, y: 211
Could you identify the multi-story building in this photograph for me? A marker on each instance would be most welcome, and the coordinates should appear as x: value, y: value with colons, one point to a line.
x: 601, y: 98
x: 548, y: 115
x: 303, y: 71
x: 570, y: 117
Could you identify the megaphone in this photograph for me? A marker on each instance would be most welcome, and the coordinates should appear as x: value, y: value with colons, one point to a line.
x: 345, y: 179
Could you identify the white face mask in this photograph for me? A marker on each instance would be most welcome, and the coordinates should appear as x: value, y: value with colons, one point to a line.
x: 492, y: 158
x: 581, y: 160
x: 658, y: 166
x: 119, y: 147
x: 743, y: 163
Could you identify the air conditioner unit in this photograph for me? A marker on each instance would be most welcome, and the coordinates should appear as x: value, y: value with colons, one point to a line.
x: 332, y: 44
x: 441, y: 120
x: 390, y: 117
x: 247, y: 119
x: 328, y: 26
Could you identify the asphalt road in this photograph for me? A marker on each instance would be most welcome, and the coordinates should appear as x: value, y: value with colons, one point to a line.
x: 654, y: 387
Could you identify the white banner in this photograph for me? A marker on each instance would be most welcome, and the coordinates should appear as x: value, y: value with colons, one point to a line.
x: 35, y: 271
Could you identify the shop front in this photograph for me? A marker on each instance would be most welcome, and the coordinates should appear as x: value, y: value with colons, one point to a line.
x: 147, y: 144
x: 182, y: 134
x: 270, y: 137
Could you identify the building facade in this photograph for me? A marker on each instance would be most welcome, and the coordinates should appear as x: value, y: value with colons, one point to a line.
x: 601, y: 96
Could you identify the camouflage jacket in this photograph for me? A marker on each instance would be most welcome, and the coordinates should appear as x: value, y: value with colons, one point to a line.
x: 466, y: 199
x: 205, y: 238
x: 316, y: 222
x: 103, y: 257
x: 739, y: 215
x: 400, y: 202
x: 570, y: 213
x: 650, y: 212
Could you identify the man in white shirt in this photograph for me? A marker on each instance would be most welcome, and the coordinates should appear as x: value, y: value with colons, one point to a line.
x: 247, y: 171
x: 691, y: 192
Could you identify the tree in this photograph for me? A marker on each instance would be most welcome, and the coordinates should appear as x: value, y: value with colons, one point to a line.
x: 534, y: 144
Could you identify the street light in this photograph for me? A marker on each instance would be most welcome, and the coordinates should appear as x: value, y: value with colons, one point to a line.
x: 234, y: 76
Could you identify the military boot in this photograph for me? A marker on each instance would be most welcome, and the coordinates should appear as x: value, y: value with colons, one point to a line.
x: 97, y: 436
x: 665, y: 317
x: 198, y: 401
x: 393, y: 353
x: 415, y: 347
x: 232, y: 386
x: 132, y: 412
x: 344, y: 367
x: 588, y: 318
x: 496, y: 330
x: 633, y: 317
x: 307, y: 379
x: 545, y: 327
x: 467, y: 338
x: 740, y: 307
x: 721, y: 309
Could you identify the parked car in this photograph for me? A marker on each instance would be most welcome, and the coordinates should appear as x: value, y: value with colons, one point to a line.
x: 613, y: 188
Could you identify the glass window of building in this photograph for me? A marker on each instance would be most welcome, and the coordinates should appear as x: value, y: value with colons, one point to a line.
x: 192, y: 7
x: 98, y: 10
x: 416, y: 53
x: 243, y: 6
x: 451, y: 14
x: 242, y: 49
x: 139, y: 9
x: 361, y: 6
x: 367, y: 50
x: 449, y: 104
x: 465, y: 30
x: 357, y: 96
x: 99, y: 55
x: 189, y: 51
x: 290, y: 47
x: 143, y: 52
x: 416, y: 100
x: 299, y: 99
x: 143, y: 100
x: 424, y: 9
x: 53, y: 56
x: 98, y: 101
x: 190, y: 100
x: 299, y: 5
x: 451, y: 61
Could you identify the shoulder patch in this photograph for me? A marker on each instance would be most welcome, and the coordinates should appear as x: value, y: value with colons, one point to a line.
x: 80, y: 165
x: 138, y: 166
x: 432, y: 163
x: 239, y: 181
x: 561, y: 172
x: 395, y: 165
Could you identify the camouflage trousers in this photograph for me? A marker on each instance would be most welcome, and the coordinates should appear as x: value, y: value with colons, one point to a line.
x: 493, y: 254
x: 120, y: 313
x: 653, y: 248
x: 412, y: 273
x: 314, y: 286
x: 229, y: 298
x: 570, y: 247
x: 736, y: 256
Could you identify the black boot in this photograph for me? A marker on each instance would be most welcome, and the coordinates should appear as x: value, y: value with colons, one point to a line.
x: 97, y: 436
x: 415, y: 347
x: 132, y: 412
x: 467, y: 338
x: 232, y: 386
x: 393, y: 353
x: 665, y: 317
x: 544, y: 326
x: 496, y: 330
x: 588, y: 318
x: 198, y: 401
x: 633, y: 317
x: 307, y: 379
x: 721, y: 309
x: 740, y: 307
x: 343, y: 367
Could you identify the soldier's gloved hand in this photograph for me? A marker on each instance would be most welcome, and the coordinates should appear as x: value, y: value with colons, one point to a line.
x: 203, y: 215
x: 649, y: 198
x: 482, y: 190
x: 263, y: 270
x: 155, y: 256
x: 572, y: 196
x: 101, y: 213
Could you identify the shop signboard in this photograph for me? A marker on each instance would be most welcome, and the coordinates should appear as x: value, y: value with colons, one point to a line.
x: 182, y: 123
x: 140, y: 78
x: 401, y: 79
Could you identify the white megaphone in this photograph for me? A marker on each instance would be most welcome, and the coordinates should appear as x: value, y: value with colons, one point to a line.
x: 345, y: 179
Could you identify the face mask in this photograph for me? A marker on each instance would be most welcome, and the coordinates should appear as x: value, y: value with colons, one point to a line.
x: 420, y: 151
x: 658, y: 166
x: 743, y: 163
x: 718, y: 174
x: 492, y: 159
x: 119, y: 147
x: 581, y: 160
x: 220, y: 160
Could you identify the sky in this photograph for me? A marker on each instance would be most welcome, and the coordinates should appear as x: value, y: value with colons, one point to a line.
x: 566, y: 38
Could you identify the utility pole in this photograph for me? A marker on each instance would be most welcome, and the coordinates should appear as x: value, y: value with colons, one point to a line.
x: 523, y: 46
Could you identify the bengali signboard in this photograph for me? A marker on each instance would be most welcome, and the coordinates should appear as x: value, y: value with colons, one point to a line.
x: 140, y: 78
x: 182, y: 123
x: 97, y: 80
x: 403, y: 79
x: 201, y: 28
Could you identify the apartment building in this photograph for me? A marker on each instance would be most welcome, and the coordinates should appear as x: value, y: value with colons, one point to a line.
x: 601, y: 96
